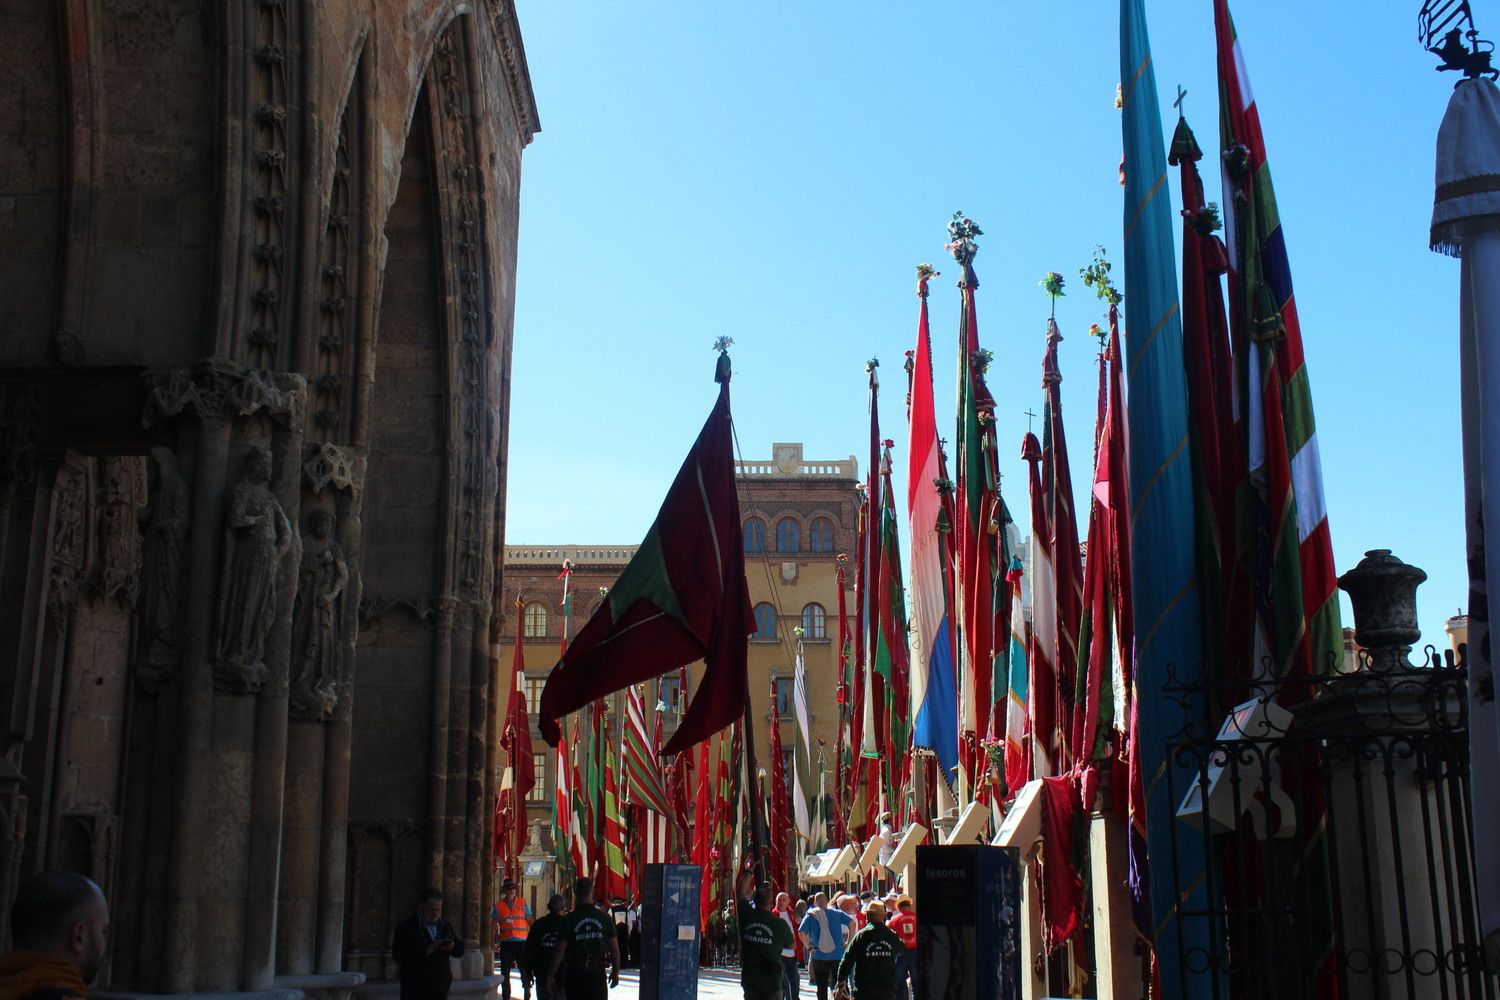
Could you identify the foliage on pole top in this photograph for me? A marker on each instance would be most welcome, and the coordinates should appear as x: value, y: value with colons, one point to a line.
x: 925, y: 273
x: 1096, y: 276
x: 961, y: 233
x: 722, y: 368
x: 1052, y: 283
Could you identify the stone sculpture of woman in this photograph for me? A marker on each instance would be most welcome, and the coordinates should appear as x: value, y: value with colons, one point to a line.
x: 259, y: 535
x: 317, y: 623
x: 164, y: 526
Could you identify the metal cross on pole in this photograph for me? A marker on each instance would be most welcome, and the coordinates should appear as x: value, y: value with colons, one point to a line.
x: 1029, y: 417
x: 1178, y: 103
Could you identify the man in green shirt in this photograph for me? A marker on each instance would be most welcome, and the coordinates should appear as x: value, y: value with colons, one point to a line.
x: 871, y: 957
x: 763, y: 936
x: 586, y: 945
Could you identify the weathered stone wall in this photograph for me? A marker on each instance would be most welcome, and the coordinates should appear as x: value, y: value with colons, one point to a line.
x: 253, y: 393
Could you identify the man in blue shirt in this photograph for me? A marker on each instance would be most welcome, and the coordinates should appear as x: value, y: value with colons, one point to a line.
x: 826, y: 931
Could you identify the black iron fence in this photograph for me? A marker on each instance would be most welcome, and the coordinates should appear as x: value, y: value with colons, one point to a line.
x: 1335, y: 816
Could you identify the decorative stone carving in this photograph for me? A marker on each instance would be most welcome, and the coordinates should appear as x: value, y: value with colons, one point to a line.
x: 318, y: 622
x: 331, y: 465
x: 118, y: 566
x: 69, y: 539
x: 218, y: 388
x: 259, y: 534
x: 372, y: 606
x: 164, y: 525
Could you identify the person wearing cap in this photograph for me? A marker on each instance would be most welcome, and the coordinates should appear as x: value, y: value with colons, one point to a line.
x: 763, y: 938
x: 826, y: 930
x: 870, y: 961
x: 545, y: 934
x: 512, y: 925
x: 904, y: 923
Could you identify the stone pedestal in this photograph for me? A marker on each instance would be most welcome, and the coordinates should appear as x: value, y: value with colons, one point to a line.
x: 1117, y: 967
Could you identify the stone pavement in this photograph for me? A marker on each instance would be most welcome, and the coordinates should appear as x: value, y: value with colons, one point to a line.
x: 713, y: 984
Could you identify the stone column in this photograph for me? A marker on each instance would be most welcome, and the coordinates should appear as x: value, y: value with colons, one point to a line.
x: 195, y: 697
x: 270, y: 756
x: 446, y: 609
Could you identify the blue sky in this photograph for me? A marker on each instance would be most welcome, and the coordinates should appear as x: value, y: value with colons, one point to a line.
x: 774, y: 171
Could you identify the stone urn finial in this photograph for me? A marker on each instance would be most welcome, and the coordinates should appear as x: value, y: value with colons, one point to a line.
x: 1383, y: 590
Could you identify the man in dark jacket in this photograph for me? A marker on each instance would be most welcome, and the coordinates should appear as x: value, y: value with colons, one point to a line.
x: 870, y: 961
x: 60, y: 923
x: 545, y: 936
x: 421, y: 946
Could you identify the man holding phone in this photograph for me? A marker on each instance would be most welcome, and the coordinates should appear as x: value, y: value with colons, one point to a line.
x: 421, y: 946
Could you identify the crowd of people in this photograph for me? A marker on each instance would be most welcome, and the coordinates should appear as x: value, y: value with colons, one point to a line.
x: 864, y: 942
x: 860, y: 941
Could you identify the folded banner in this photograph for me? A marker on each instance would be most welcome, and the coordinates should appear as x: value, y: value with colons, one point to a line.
x: 682, y: 598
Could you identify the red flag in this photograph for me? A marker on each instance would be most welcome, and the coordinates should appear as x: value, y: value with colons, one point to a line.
x: 1109, y: 626
x: 703, y: 821
x: 682, y: 598
x: 515, y: 740
x: 781, y: 824
x: 1067, y: 569
x: 1062, y: 889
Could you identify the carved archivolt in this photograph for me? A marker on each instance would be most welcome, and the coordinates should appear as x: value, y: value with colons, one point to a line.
x: 218, y: 388
x: 466, y: 269
x: 338, y: 318
x: 270, y: 83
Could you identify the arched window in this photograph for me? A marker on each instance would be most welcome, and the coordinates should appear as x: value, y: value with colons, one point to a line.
x: 755, y: 535
x: 787, y: 535
x: 820, y: 535
x: 765, y: 622
x: 814, y: 622
x: 535, y: 622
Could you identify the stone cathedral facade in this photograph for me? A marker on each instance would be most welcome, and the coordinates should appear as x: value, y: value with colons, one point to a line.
x: 257, y: 263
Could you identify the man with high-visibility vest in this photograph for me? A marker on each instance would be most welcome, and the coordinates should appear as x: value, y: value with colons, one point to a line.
x: 512, y: 924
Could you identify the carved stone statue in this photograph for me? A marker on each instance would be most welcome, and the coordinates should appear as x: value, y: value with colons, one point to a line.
x: 118, y: 566
x: 164, y: 524
x: 259, y: 534
x: 68, y: 542
x: 317, y: 624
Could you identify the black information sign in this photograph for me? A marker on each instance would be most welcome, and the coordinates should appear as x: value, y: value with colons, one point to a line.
x: 669, y: 932
x: 968, y: 923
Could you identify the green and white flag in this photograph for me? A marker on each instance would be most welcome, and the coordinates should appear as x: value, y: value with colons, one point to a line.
x: 802, y: 811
